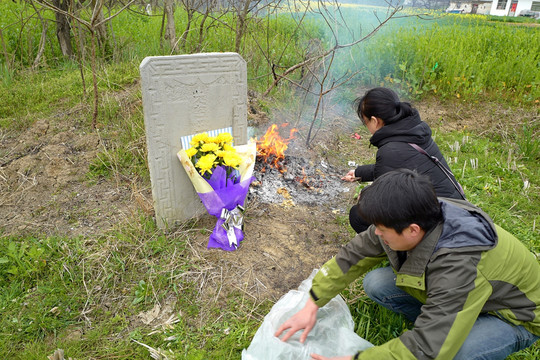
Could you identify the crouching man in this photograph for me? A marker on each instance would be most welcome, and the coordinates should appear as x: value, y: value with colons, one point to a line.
x: 471, y: 288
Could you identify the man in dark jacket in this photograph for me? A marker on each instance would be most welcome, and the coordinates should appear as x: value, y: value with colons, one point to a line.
x: 471, y: 288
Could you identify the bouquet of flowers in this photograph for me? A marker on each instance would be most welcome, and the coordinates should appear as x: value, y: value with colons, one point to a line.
x: 221, y: 175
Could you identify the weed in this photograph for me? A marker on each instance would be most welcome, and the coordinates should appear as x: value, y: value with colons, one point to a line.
x: 142, y: 291
x: 528, y: 143
x: 6, y: 75
x: 486, y: 168
x: 118, y: 162
x: 24, y: 260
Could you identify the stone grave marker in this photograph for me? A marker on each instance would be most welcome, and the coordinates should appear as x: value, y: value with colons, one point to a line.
x: 184, y: 95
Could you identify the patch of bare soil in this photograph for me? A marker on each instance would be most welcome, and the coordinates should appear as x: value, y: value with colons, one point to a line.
x: 44, y: 191
x: 478, y: 117
x: 43, y: 184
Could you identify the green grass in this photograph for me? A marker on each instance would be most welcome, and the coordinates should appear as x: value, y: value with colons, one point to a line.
x: 83, y: 295
x: 57, y: 89
x: 499, y: 169
x: 492, y: 168
x: 49, y: 284
x: 513, y: 19
x: 450, y: 56
x: 500, y: 175
x: 271, y: 40
x: 47, y: 88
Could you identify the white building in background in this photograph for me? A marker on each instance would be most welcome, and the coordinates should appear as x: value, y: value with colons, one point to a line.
x: 494, y: 7
x: 470, y: 7
x: 513, y: 7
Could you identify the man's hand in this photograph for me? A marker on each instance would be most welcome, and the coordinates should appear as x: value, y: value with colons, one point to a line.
x: 350, y: 177
x: 320, y: 357
x: 304, y: 319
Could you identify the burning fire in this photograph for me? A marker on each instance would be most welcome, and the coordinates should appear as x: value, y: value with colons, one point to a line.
x: 271, y: 146
x: 290, y: 179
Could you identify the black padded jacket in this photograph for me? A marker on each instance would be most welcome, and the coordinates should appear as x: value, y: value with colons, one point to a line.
x: 394, y: 152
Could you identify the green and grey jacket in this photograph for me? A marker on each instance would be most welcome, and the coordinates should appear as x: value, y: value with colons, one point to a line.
x: 464, y: 266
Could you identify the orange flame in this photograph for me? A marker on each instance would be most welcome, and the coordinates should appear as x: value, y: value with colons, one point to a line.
x: 271, y: 146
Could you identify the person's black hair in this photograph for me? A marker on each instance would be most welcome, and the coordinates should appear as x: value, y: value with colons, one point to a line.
x: 384, y: 104
x: 400, y: 198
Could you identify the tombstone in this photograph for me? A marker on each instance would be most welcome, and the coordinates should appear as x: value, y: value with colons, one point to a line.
x: 184, y: 95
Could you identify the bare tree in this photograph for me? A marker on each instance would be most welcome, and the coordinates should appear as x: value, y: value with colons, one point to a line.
x: 21, y: 24
x: 243, y: 9
x: 190, y: 7
x: 317, y: 63
x: 198, y: 12
x: 43, y: 38
x: 314, y: 71
x: 4, y: 48
x: 210, y: 5
x: 195, y: 9
x: 170, y: 29
x: 96, y: 26
x: 99, y: 24
x: 63, y: 28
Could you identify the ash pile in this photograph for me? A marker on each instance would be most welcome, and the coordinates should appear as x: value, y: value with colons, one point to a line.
x: 296, y: 180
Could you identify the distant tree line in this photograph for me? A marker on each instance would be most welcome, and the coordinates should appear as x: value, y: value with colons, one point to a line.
x: 424, y: 4
x: 428, y: 4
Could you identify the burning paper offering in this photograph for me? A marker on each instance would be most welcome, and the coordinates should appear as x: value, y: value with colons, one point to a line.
x: 221, y: 175
x: 293, y: 179
x: 271, y: 147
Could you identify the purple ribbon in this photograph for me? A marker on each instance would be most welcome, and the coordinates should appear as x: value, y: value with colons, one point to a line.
x: 229, y: 193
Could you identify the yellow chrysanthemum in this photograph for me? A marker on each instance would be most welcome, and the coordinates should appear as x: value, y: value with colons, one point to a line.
x: 209, y: 147
x: 232, y: 159
x: 206, y: 163
x: 228, y: 147
x: 190, y: 152
x: 224, y: 138
x: 221, y: 153
x: 203, y: 137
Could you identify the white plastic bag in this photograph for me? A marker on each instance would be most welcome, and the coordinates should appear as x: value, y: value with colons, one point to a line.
x: 332, y: 335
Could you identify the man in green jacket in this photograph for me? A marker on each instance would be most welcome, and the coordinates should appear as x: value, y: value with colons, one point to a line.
x: 471, y: 288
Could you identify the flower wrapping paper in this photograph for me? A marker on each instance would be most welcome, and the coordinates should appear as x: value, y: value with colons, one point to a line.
x: 224, y: 191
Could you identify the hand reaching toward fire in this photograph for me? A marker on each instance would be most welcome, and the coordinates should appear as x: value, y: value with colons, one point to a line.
x: 350, y: 177
x: 304, y: 319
